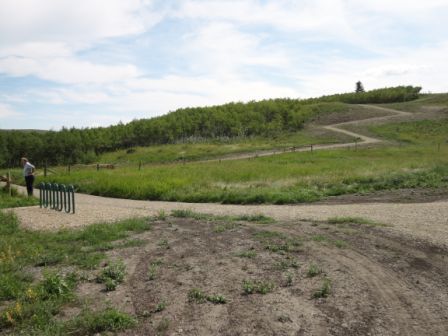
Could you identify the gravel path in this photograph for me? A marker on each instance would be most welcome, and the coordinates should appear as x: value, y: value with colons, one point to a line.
x: 428, y: 221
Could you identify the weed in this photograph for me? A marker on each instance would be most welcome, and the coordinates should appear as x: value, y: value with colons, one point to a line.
x: 324, y: 290
x: 318, y: 238
x: 224, y: 227
x: 289, y: 280
x: 257, y: 218
x: 164, y: 244
x: 287, y: 263
x: 340, y: 243
x: 260, y: 287
x: 152, y: 269
x: 313, y: 270
x: 160, y: 307
x: 112, y: 275
x: 263, y: 235
x: 163, y: 326
x: 189, y: 214
x: 54, y: 285
x: 247, y: 254
x: 161, y: 215
x: 217, y: 299
x: 90, y: 323
x: 197, y: 296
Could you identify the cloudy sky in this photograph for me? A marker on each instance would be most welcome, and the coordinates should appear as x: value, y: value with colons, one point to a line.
x: 90, y: 63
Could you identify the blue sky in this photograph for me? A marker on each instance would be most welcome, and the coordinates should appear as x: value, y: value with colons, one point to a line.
x: 88, y: 63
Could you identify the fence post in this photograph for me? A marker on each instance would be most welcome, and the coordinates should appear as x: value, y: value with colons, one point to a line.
x: 97, y: 167
x: 9, y: 183
x: 45, y: 168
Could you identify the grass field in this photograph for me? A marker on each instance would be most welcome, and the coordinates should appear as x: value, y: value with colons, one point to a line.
x: 286, y: 178
x: 213, y: 149
x: 415, y: 156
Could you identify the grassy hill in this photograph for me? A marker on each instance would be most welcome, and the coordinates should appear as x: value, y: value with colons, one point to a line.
x: 414, y: 155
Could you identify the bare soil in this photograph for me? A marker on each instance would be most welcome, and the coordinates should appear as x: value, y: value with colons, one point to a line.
x: 417, y: 195
x: 381, y: 283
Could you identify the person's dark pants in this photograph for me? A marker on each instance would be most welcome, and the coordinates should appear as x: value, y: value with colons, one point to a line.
x: 29, y: 184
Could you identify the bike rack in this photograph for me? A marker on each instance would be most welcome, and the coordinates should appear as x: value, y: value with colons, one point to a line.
x: 57, y: 197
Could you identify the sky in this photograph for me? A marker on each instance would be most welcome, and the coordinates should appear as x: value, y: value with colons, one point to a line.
x: 89, y: 63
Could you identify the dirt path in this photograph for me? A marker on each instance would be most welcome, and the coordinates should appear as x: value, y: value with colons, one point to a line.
x: 361, y: 140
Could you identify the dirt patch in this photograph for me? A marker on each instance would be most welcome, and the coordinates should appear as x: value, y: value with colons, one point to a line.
x: 387, y: 196
x: 286, y: 278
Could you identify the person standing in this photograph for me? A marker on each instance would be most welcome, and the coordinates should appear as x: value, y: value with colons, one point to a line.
x: 28, y: 173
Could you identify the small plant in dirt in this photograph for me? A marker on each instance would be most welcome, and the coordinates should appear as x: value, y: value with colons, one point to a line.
x: 152, y: 269
x: 225, y: 227
x: 112, y: 275
x: 318, y: 238
x: 216, y: 299
x: 161, y: 306
x: 259, y: 287
x: 289, y: 262
x: 289, y: 280
x: 163, y: 326
x: 247, y: 254
x: 340, y: 243
x: 164, y: 244
x: 161, y: 215
x: 257, y: 218
x: 54, y: 285
x: 197, y: 296
x: 313, y: 270
x: 324, y: 290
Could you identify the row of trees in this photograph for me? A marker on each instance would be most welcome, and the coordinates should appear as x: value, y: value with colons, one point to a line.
x: 264, y: 118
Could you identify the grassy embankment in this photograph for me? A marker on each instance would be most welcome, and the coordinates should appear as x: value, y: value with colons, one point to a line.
x: 286, y: 178
x: 40, y: 272
x: 15, y: 200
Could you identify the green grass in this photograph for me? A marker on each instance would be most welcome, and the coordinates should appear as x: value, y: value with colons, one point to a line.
x: 440, y: 99
x: 15, y: 200
x: 257, y: 287
x: 416, y: 158
x: 216, y: 149
x: 112, y: 275
x: 31, y: 306
x: 324, y: 290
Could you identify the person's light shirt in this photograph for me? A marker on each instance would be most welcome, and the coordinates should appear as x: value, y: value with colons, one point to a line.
x: 28, y: 169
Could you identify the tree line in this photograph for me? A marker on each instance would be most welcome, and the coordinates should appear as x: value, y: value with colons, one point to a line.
x: 262, y: 118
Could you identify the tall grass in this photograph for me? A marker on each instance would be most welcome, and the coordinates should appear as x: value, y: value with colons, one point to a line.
x: 286, y: 178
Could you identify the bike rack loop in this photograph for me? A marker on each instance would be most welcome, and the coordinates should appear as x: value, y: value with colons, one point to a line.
x: 57, y: 197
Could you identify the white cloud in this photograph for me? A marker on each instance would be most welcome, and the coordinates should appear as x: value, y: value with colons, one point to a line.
x: 66, y: 70
x: 80, y: 21
x: 6, y: 111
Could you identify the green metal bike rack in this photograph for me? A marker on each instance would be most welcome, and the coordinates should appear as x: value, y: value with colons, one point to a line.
x: 57, y: 197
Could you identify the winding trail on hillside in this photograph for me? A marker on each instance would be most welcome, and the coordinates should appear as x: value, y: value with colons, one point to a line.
x: 361, y: 140
x: 422, y: 221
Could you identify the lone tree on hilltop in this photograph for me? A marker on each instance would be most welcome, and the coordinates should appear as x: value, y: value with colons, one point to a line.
x: 359, y: 87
